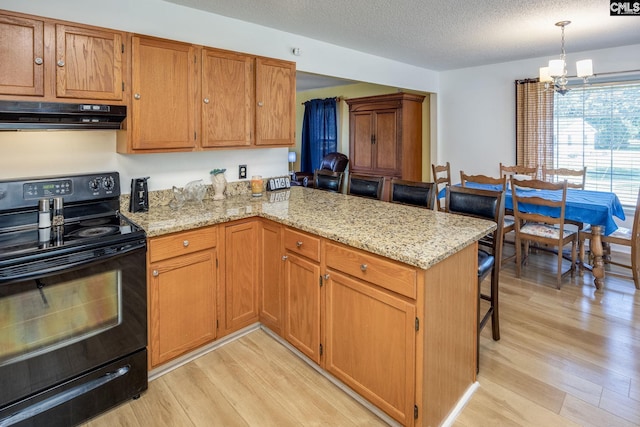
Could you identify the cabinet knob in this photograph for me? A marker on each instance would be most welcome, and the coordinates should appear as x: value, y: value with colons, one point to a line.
x: 60, y: 63
x: 284, y: 257
x: 326, y: 276
x: 206, y: 100
x: 185, y: 243
x: 155, y: 273
x: 363, y: 267
x: 260, y: 103
x: 137, y: 96
x: 38, y: 61
x: 298, y: 243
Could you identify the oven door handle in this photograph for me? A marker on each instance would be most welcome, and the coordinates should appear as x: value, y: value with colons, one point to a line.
x: 46, y: 267
x: 65, y: 396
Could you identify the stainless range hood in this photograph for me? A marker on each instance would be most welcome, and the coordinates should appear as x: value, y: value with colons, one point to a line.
x: 18, y: 115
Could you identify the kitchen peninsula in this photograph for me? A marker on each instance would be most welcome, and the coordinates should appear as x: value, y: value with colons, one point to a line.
x: 379, y: 295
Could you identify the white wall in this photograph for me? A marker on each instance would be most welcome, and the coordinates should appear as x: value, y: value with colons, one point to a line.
x: 50, y: 153
x: 476, y: 108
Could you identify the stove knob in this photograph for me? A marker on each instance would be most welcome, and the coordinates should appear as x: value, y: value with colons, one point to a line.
x: 94, y: 184
x: 108, y: 183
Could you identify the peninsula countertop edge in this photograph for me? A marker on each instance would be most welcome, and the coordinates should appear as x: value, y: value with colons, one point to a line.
x: 414, y: 236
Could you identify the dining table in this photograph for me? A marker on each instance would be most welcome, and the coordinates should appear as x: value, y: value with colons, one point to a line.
x: 596, y: 208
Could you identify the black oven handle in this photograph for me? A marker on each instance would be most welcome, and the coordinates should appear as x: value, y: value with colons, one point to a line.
x: 70, y: 261
x: 65, y: 396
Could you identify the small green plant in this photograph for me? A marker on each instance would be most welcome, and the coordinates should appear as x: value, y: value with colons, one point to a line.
x: 217, y: 171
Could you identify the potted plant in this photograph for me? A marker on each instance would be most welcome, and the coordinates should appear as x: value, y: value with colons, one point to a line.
x: 219, y: 183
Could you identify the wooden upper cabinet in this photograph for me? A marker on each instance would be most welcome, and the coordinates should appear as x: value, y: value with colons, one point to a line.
x: 89, y: 63
x: 21, y: 56
x: 164, y: 95
x: 275, y: 102
x: 227, y: 99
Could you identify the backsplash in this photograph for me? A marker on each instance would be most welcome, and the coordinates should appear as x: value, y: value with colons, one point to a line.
x: 164, y: 197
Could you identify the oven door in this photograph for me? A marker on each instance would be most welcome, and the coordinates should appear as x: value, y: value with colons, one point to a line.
x: 86, y: 309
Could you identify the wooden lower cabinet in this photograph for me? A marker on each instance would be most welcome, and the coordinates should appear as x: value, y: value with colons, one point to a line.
x: 182, y: 294
x: 271, y: 283
x: 302, y: 305
x: 239, y: 290
x: 370, y: 343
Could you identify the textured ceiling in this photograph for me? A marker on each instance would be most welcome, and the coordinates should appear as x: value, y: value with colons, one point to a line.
x: 440, y: 35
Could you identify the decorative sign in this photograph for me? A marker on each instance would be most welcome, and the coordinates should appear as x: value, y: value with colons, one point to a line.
x: 278, y: 183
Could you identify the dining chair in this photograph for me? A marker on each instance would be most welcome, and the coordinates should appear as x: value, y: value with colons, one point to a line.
x: 365, y: 186
x: 575, y: 177
x: 324, y: 179
x: 508, y: 221
x: 415, y: 193
x: 541, y: 220
x: 509, y: 171
x: 485, y: 204
x: 622, y: 236
x: 441, y: 177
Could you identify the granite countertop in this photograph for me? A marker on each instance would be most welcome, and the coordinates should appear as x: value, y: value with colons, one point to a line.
x: 415, y: 236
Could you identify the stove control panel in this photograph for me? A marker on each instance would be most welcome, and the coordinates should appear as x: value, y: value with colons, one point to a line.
x: 25, y: 193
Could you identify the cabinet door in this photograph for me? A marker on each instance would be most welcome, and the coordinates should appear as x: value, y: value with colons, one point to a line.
x: 370, y: 343
x: 361, y: 129
x: 386, y: 143
x: 88, y: 63
x: 21, y: 56
x: 275, y: 102
x: 302, y: 305
x: 227, y: 99
x: 271, y: 273
x: 164, y: 95
x: 182, y: 298
x: 241, y: 275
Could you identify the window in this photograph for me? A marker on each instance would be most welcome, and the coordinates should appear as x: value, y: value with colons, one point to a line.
x: 598, y: 126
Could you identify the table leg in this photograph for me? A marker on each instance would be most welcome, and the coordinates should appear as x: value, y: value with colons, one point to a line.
x: 596, y: 250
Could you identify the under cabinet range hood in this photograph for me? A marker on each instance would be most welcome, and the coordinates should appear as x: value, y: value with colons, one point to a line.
x: 18, y: 115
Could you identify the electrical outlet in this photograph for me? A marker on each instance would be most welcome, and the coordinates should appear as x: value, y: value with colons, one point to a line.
x: 242, y: 172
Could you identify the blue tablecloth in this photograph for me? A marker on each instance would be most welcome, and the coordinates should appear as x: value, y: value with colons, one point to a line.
x: 589, y: 207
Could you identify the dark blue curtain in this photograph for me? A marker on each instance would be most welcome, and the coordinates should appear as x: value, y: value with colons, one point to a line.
x: 319, y: 132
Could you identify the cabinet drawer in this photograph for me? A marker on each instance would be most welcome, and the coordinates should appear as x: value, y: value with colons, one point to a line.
x: 385, y: 273
x: 302, y: 243
x: 182, y: 243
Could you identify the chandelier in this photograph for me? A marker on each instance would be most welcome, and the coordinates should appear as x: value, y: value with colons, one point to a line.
x: 555, y: 75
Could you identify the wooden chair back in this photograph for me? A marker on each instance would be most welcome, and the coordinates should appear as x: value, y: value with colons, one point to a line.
x: 324, y: 179
x: 365, y: 186
x: 575, y: 177
x: 441, y: 177
x: 483, y: 179
x: 530, y: 199
x: 509, y: 171
x: 415, y: 193
x: 544, y: 228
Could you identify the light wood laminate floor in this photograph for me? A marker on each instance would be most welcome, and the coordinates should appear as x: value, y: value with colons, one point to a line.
x: 565, y: 358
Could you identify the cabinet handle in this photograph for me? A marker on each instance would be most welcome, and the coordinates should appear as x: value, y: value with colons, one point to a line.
x: 137, y: 96
x: 206, y: 100
x: 38, y: 61
x: 260, y: 103
x: 185, y: 243
x: 298, y: 243
x: 284, y: 257
x: 60, y: 63
x: 363, y: 267
x: 155, y: 273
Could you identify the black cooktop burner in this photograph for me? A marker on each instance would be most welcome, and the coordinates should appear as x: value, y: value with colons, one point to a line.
x: 93, y: 232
